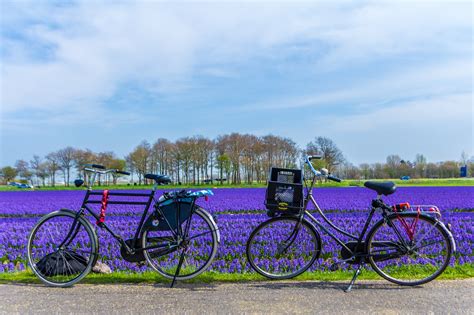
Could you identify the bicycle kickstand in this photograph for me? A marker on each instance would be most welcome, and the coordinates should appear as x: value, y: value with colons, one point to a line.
x: 178, y: 269
x: 356, y: 274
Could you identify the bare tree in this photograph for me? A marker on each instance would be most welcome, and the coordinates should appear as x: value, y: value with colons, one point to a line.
x: 117, y: 164
x: 23, y: 170
x: 184, y: 157
x: 449, y: 169
x: 81, y: 158
x: 365, y: 170
x: 331, y: 154
x: 52, y: 166
x: 161, y: 153
x: 139, y: 159
x: 392, y: 166
x: 65, y: 159
x: 42, y: 172
x: 464, y: 158
x: 35, y: 165
x: 420, y: 165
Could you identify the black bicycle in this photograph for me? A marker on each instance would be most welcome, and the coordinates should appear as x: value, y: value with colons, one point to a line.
x: 178, y: 239
x: 409, y: 245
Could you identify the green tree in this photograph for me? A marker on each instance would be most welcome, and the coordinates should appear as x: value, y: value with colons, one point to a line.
x: 23, y: 170
x: 8, y: 173
x: 118, y: 164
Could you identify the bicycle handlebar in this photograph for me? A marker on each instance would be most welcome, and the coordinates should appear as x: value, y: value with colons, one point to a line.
x: 122, y: 172
x: 333, y: 178
x: 318, y: 173
x: 98, y: 166
x: 308, y: 161
x: 94, y: 169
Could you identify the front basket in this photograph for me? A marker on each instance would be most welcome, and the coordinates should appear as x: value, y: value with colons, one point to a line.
x: 284, y: 191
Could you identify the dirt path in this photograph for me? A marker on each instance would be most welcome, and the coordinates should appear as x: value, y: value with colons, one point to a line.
x: 440, y: 297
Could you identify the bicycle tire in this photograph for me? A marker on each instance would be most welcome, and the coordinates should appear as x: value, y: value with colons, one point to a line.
x: 401, y: 264
x: 303, y: 246
x: 195, y: 262
x: 50, y: 227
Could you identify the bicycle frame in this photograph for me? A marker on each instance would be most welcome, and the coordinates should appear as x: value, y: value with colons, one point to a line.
x: 355, y: 249
x: 376, y: 204
x: 85, y: 207
x: 86, y: 201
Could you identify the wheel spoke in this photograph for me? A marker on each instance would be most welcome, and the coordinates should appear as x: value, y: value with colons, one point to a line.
x: 198, y: 248
x: 60, y: 266
x: 277, y: 250
x: 421, y: 261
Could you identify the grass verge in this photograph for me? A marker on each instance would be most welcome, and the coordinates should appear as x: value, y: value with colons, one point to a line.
x: 451, y: 273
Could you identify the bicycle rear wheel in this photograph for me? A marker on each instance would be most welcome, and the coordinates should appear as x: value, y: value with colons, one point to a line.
x: 406, y: 260
x: 283, y: 247
x: 198, y: 248
x: 62, y: 250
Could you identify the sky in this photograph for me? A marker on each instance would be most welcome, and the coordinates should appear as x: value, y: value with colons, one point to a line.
x: 376, y: 77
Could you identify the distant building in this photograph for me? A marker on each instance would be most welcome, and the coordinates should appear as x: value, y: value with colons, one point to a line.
x: 463, y: 171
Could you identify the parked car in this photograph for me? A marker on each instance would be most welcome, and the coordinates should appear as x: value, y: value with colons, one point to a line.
x: 405, y: 177
x: 20, y: 185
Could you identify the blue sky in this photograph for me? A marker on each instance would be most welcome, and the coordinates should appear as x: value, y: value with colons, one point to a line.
x: 378, y: 78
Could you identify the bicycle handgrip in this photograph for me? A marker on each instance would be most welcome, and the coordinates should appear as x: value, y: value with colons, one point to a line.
x: 122, y: 172
x: 333, y: 178
x: 315, y: 157
x: 98, y: 166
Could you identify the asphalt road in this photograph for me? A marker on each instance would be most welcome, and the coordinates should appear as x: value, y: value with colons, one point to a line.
x: 381, y: 297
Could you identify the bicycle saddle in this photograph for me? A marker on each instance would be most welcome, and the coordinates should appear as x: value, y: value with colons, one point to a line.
x: 382, y: 188
x: 158, y: 178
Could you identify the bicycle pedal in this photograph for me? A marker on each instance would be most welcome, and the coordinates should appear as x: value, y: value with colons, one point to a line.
x: 334, y: 267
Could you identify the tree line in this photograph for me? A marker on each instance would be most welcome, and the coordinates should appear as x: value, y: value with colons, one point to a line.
x: 232, y: 158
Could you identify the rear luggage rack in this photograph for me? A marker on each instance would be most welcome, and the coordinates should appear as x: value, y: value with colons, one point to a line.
x: 426, y: 209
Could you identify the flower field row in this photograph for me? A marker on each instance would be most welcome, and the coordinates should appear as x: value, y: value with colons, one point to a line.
x: 234, y: 228
x: 233, y: 210
x: 246, y: 199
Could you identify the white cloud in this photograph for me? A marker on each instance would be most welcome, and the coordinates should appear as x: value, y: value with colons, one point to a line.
x: 97, y: 47
x: 428, y: 113
x: 428, y: 80
x: 440, y: 128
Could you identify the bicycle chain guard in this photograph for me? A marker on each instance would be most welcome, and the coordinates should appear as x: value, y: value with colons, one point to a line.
x: 136, y: 257
x: 352, y: 245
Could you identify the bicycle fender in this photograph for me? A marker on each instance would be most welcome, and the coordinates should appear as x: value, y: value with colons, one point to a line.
x: 450, y: 235
x: 211, y: 218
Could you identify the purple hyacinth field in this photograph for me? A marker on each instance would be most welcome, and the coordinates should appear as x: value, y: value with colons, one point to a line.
x: 237, y: 211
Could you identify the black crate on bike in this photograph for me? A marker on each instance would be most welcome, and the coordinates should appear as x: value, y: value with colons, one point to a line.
x: 284, y: 191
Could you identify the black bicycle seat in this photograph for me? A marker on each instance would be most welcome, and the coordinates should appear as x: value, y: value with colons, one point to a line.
x: 382, y: 188
x: 159, y: 179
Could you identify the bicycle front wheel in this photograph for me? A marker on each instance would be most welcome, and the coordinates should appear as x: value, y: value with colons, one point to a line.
x: 198, y: 248
x: 283, y: 247
x: 410, y: 249
x: 62, y: 249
